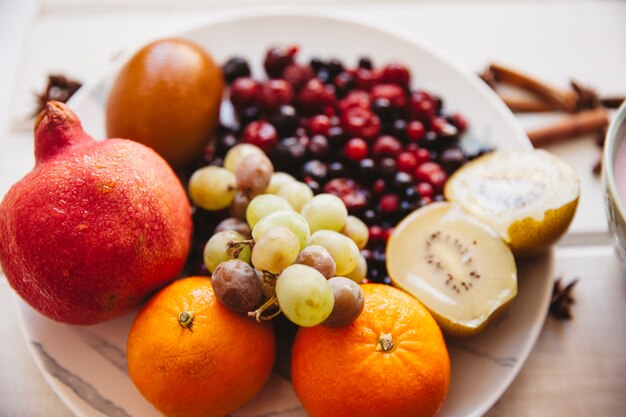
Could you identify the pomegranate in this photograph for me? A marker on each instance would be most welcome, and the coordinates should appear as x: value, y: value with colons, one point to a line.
x: 95, y: 228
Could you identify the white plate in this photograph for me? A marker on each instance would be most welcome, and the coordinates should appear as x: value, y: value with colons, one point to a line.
x: 86, y: 366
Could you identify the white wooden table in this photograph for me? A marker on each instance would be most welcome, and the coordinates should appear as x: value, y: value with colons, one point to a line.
x: 578, y: 367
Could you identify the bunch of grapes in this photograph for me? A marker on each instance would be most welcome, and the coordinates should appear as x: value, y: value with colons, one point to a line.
x: 284, y: 249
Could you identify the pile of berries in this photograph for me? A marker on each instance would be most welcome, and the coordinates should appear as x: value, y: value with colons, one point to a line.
x: 361, y: 133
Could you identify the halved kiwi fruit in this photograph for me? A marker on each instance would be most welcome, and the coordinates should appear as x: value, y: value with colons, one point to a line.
x: 529, y: 198
x: 460, y: 269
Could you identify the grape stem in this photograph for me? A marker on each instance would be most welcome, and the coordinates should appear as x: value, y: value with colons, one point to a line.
x: 258, y: 313
x: 240, y: 245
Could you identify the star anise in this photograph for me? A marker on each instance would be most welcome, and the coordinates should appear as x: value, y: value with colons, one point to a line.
x: 59, y: 88
x: 562, y: 299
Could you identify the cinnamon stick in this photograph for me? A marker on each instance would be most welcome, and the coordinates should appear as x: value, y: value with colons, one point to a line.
x: 521, y: 105
x: 559, y: 99
x: 579, y: 124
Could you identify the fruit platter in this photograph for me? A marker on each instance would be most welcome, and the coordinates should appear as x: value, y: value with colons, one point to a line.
x: 295, y: 222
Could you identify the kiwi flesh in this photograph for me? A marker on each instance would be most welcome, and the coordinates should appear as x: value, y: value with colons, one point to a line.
x: 460, y: 269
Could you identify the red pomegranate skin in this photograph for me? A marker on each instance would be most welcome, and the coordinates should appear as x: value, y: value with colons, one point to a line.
x: 95, y: 228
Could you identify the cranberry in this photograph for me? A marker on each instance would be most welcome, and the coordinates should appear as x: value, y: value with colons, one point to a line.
x: 425, y: 189
x: 389, y: 203
x: 297, y: 75
x: 386, y: 146
x: 460, y: 122
x: 392, y: 92
x: 415, y: 131
x: 315, y: 97
x: 355, y: 98
x: 279, y: 58
x: 261, y: 134
x: 425, y: 201
x: 274, y: 94
x: 442, y: 127
x: 395, y: 73
x: 422, y: 107
x: 406, y: 161
x: 377, y: 233
x: 379, y: 186
x: 356, y: 149
x: 432, y: 173
x: 234, y: 68
x: 389, y: 230
x: 244, y: 92
x: 365, y: 79
x: 313, y: 185
x: 348, y: 190
x: 319, y: 125
x: 422, y: 156
x: 360, y: 122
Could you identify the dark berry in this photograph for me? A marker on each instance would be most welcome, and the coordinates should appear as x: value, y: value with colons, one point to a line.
x: 451, y: 159
x: 234, y: 68
x: 226, y: 142
x: 336, y: 170
x: 315, y: 169
x: 285, y: 120
x: 334, y: 67
x: 402, y: 181
x: 399, y: 129
x: 369, y: 216
x: 379, y: 186
x: 244, y: 92
x: 317, y: 64
x: 387, y: 167
x: 365, y: 62
x: 367, y: 169
x: 356, y: 149
x: 313, y: 185
x: 279, y: 58
x: 318, y: 147
x: 290, y: 152
x: 335, y: 136
x: 382, y: 108
x: 323, y: 75
x: 249, y: 114
x: 344, y: 82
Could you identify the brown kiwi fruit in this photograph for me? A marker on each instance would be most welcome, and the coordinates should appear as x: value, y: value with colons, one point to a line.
x: 167, y: 97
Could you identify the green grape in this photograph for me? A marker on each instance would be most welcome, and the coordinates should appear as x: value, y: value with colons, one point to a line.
x: 264, y: 204
x: 219, y: 249
x: 304, y: 295
x: 343, y: 249
x: 212, y: 188
x: 289, y: 219
x: 360, y: 272
x: 236, y: 154
x: 356, y: 230
x: 275, y: 250
x: 296, y: 193
x: 278, y: 180
x: 325, y: 212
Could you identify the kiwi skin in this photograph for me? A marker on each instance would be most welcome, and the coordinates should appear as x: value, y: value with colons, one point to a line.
x: 529, y: 237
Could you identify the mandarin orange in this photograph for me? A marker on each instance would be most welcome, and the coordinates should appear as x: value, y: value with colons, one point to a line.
x: 391, y: 361
x: 190, y: 356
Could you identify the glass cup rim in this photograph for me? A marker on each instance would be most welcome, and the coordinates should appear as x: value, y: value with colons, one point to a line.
x: 612, y: 141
